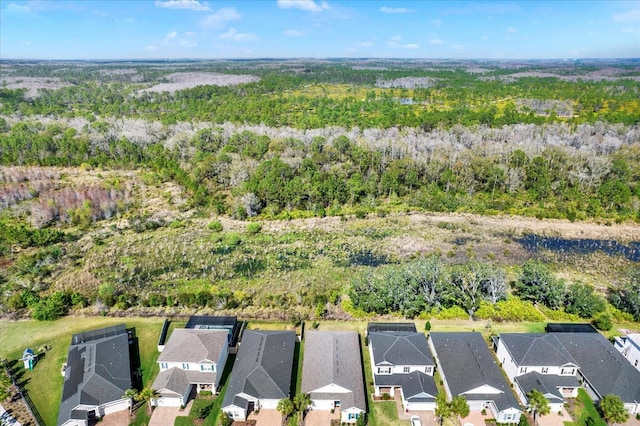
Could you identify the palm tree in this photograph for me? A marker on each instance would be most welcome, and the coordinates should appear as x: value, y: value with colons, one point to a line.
x: 301, y: 402
x: 132, y: 395
x: 285, y: 407
x: 147, y: 395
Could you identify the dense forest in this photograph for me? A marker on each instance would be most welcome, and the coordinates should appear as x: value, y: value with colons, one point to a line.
x: 82, y: 145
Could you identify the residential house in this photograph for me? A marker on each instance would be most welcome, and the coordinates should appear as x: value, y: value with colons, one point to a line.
x: 261, y: 374
x: 468, y: 368
x: 401, y: 361
x: 603, y: 370
x: 332, y: 373
x: 629, y: 347
x: 192, y: 361
x: 538, y: 361
x: 97, y: 375
x: 228, y: 323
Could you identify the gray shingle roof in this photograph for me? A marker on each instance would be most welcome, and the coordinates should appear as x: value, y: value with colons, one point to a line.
x: 178, y: 380
x: 536, y: 349
x: 263, y: 366
x: 606, y: 369
x: 192, y: 345
x: 467, y: 363
x: 98, y: 370
x: 546, y: 384
x: 416, y: 386
x: 333, y: 357
x: 400, y: 348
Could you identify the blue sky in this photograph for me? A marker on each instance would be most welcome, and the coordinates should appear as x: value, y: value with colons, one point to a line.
x: 146, y: 29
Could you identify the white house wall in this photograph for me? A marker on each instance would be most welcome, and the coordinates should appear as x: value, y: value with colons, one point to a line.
x: 269, y: 404
x: 321, y: 404
x: 114, y: 406
x: 504, y: 357
x: 235, y: 412
x: 189, y: 366
x: 222, y: 361
x: 344, y: 415
x: 510, y: 415
x: 630, y: 351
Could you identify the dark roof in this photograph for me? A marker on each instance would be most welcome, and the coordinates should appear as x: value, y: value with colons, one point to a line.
x: 606, y: 369
x: 333, y: 358
x: 390, y: 326
x: 536, y: 349
x: 547, y: 384
x: 98, y: 370
x: 263, y: 366
x: 178, y: 380
x: 400, y: 348
x: 195, y: 346
x: 217, y: 323
x: 467, y: 364
x: 568, y: 327
x: 416, y: 386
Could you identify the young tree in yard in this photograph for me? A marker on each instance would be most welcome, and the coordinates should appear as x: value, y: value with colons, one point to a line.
x: 301, y: 402
x: 459, y: 406
x: 538, y: 404
x: 443, y: 409
x: 613, y: 410
x: 285, y: 407
x: 602, y: 321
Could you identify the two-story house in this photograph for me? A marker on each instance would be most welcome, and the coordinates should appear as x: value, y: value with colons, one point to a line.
x: 402, y: 365
x: 332, y: 373
x: 629, y: 347
x: 468, y: 368
x: 540, y: 362
x: 192, y: 361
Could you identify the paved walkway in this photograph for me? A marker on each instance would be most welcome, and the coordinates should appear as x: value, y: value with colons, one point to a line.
x: 476, y: 418
x: 166, y: 416
x: 428, y: 418
x: 117, y: 419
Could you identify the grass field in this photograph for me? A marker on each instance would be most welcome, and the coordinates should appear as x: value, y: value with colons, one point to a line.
x: 584, y: 409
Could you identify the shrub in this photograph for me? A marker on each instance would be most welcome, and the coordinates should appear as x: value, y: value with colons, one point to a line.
x: 602, y: 321
x: 215, y: 226
x: 454, y: 312
x: 386, y: 396
x: 254, y: 228
x: 427, y: 326
x: 514, y: 309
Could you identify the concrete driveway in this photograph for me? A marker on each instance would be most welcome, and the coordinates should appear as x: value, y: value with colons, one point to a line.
x: 320, y: 417
x: 476, y: 418
x: 166, y: 416
x: 266, y: 418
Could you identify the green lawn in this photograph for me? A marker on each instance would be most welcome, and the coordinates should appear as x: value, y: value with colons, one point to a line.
x: 583, y: 409
x: 198, y: 404
x: 18, y: 335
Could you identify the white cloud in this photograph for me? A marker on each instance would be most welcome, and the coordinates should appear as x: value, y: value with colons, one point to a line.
x: 170, y: 36
x: 308, y: 5
x: 189, y: 34
x: 234, y: 35
x: 151, y: 47
x: 436, y: 22
x: 631, y: 30
x: 436, y: 41
x: 17, y: 8
x: 511, y: 30
x: 365, y: 44
x: 218, y: 19
x: 187, y: 43
x: 25, y: 43
x: 632, y: 16
x: 385, y: 9
x: 293, y: 33
x: 484, y: 38
x: 184, y: 4
x: 395, y: 42
x: 458, y: 47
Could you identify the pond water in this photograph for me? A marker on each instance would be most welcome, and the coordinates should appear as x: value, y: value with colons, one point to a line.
x: 534, y: 243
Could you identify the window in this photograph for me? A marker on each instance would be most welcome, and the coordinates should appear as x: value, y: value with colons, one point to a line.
x: 163, y: 366
x: 336, y: 403
x: 406, y: 369
x: 509, y: 416
x: 185, y: 366
x: 427, y: 370
x: 545, y: 370
x: 523, y: 370
x: 384, y: 370
x: 568, y: 371
x: 207, y: 367
x: 635, y: 364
